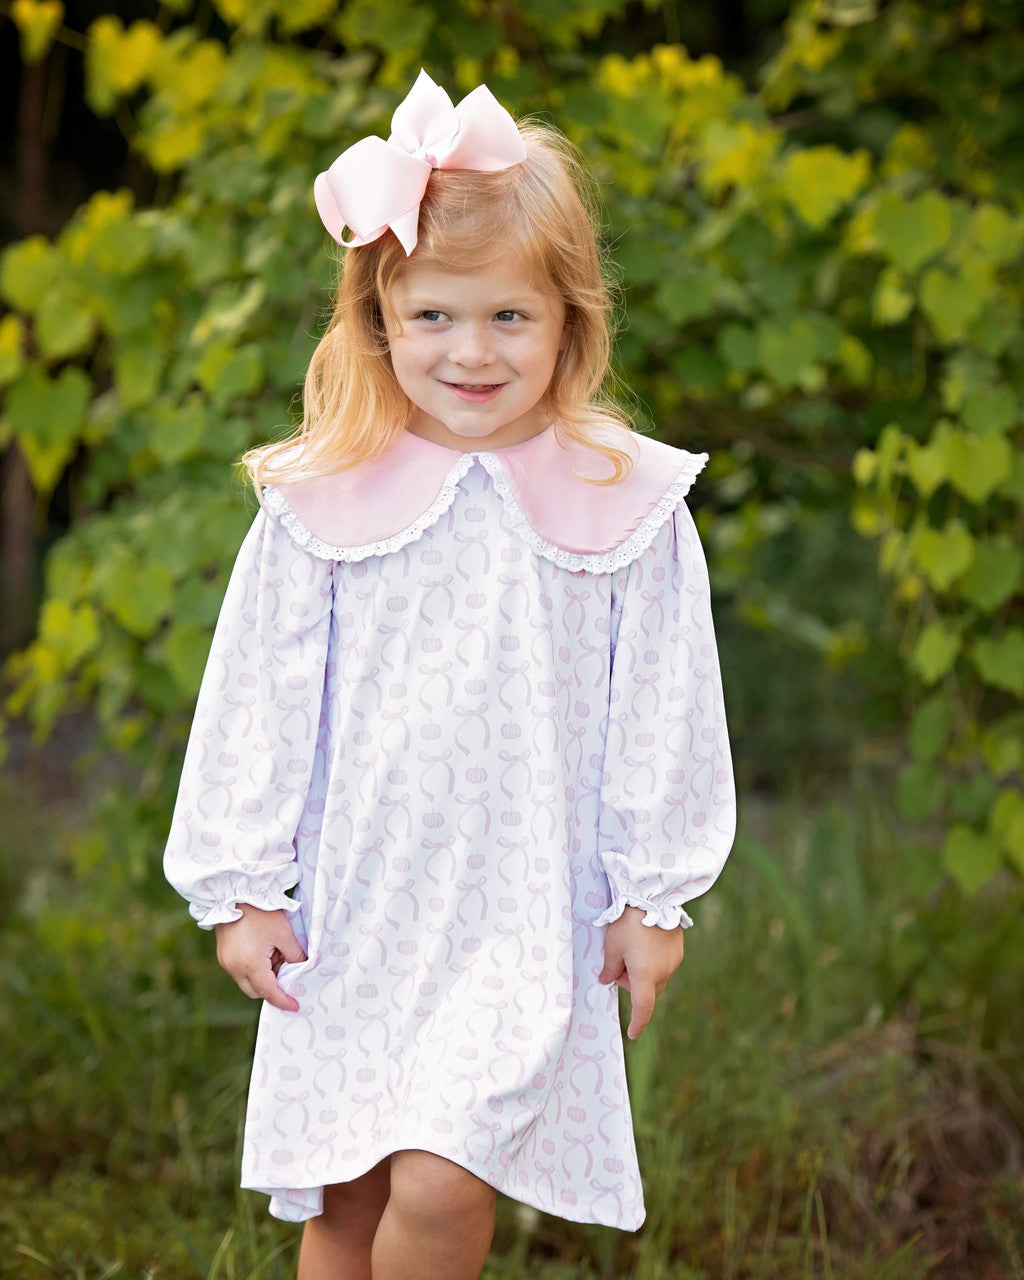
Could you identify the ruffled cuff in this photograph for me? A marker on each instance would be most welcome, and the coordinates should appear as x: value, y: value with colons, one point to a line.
x: 663, y: 915
x: 663, y: 907
x: 269, y: 894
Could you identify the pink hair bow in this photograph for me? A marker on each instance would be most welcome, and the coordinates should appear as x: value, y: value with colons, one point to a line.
x: 376, y: 184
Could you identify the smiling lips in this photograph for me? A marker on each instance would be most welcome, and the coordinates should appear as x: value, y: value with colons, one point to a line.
x: 475, y: 392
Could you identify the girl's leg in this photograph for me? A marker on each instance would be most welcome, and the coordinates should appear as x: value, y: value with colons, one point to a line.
x: 337, y: 1244
x: 438, y: 1224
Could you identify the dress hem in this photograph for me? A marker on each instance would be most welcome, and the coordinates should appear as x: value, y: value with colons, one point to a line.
x: 298, y: 1212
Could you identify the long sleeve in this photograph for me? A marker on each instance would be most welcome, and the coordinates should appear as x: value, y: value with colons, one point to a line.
x: 250, y: 753
x: 668, y: 804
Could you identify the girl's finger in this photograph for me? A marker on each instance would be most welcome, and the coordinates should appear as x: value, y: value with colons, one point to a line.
x: 642, y: 1008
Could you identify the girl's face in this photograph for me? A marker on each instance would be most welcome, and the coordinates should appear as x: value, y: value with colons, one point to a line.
x: 474, y: 353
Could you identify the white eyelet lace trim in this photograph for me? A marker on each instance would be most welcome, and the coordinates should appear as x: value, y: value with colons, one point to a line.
x: 598, y: 562
x: 602, y: 561
x: 275, y: 502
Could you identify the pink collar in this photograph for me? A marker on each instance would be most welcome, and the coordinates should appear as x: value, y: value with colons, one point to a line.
x: 385, y: 504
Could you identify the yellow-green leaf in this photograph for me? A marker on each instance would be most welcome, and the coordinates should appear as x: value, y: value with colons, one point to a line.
x: 27, y: 269
x: 12, y: 358
x: 952, y: 299
x: 1000, y: 660
x: 995, y: 575
x: 978, y: 465
x: 971, y: 857
x: 65, y: 323
x: 910, y: 232
x: 928, y: 464
x: 71, y: 632
x: 1007, y: 824
x: 47, y: 417
x: 38, y: 21
x: 818, y: 181
x: 117, y: 61
x: 891, y: 302
x: 943, y: 554
x: 138, y: 595
x: 935, y: 652
x: 998, y: 234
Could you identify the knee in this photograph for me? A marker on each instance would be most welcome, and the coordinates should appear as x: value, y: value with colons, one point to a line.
x: 355, y: 1208
x: 437, y: 1193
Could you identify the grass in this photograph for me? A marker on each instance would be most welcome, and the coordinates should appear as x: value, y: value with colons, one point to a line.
x: 830, y: 1087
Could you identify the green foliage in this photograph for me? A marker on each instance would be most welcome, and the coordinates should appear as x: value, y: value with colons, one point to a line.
x: 822, y: 279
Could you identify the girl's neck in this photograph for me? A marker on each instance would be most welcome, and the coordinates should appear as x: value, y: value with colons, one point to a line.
x: 504, y: 438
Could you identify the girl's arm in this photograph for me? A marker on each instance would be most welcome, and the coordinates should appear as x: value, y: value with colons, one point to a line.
x: 250, y: 754
x: 668, y: 806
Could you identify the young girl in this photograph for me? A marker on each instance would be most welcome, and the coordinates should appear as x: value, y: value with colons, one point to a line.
x: 464, y: 699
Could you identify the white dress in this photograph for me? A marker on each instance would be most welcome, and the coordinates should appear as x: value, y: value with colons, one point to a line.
x: 468, y: 707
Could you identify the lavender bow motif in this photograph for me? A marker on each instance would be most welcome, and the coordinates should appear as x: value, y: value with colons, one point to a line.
x: 375, y: 184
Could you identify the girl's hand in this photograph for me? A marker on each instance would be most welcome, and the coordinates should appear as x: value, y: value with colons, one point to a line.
x: 254, y: 948
x: 640, y: 960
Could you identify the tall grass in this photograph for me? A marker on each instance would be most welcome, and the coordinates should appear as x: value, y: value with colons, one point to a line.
x: 829, y: 1089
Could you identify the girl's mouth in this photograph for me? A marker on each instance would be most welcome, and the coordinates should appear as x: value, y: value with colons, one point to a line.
x: 475, y: 392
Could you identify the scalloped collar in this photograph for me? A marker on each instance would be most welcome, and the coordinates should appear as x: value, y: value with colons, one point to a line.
x: 383, y: 504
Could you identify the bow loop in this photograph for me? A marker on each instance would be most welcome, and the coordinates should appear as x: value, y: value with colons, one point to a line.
x: 376, y: 184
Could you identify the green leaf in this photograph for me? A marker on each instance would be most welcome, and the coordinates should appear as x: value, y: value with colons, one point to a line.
x: 685, y: 294
x: 996, y: 233
x: 935, y: 652
x: 865, y: 466
x: 818, y: 181
x: 177, y: 431
x: 952, y: 299
x: 891, y: 302
x: 187, y: 649
x: 991, y: 409
x: 72, y: 632
x: 139, y: 595
x: 1003, y: 747
x: 226, y: 372
x: 228, y: 311
x: 912, y: 231
x: 928, y: 464
x: 65, y: 323
x: 971, y: 857
x: 994, y: 575
x: 1014, y: 486
x: 1001, y: 661
x: 1007, y: 824
x: 788, y: 355
x: 138, y: 366
x: 737, y: 345
x: 930, y: 726
x: 943, y: 554
x: 27, y: 270
x: 12, y: 339
x: 38, y: 21
x: 978, y: 465
x: 47, y: 418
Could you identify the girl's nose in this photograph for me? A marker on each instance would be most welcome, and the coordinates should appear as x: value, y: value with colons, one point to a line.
x: 472, y: 346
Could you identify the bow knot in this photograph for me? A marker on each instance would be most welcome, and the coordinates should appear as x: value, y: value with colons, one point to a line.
x: 375, y: 184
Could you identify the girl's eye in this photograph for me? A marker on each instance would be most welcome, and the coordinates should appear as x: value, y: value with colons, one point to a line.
x: 506, y: 316
x: 431, y: 315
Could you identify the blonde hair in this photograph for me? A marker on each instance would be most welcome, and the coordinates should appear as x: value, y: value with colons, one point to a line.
x: 544, y: 210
